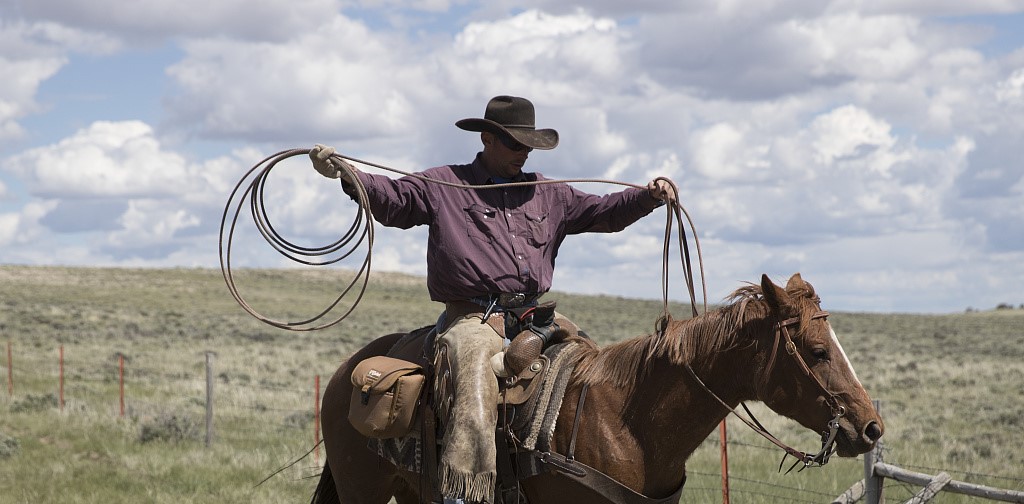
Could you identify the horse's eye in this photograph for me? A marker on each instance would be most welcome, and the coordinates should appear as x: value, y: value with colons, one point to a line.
x: 820, y: 354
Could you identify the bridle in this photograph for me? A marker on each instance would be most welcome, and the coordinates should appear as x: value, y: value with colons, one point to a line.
x: 828, y: 436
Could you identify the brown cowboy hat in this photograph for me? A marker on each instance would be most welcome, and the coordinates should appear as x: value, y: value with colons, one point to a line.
x: 512, y: 116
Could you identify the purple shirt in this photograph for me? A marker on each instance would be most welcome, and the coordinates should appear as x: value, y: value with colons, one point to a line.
x: 495, y: 240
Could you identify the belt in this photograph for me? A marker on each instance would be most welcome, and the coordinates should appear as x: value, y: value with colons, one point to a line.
x: 508, y: 299
x: 486, y: 305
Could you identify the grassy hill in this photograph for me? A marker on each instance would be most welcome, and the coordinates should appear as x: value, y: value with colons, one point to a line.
x: 951, y: 386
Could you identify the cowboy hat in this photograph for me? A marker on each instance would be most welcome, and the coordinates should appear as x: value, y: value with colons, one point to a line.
x: 512, y: 116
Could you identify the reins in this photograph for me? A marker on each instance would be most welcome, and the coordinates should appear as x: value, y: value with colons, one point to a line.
x: 362, y: 231
x: 828, y: 437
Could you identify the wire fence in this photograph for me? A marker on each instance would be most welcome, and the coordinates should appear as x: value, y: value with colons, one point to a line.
x: 166, y: 401
x: 119, y: 386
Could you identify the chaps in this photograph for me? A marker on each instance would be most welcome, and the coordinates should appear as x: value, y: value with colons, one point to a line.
x: 468, y: 453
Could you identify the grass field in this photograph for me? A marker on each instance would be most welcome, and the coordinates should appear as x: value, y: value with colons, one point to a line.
x: 951, y: 386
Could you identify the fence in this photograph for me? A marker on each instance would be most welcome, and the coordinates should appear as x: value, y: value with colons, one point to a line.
x: 871, y: 488
x: 306, y: 403
x: 124, y: 402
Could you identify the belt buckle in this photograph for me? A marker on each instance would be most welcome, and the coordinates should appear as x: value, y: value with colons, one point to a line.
x: 512, y: 299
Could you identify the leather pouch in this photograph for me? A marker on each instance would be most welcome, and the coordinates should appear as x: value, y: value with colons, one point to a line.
x: 385, y: 396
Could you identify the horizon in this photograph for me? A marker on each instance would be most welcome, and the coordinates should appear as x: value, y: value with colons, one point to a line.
x: 872, y: 146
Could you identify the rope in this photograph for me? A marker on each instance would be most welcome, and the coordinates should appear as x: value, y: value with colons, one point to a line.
x: 362, y: 231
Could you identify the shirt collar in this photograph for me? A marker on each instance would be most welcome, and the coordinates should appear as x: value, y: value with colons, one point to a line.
x: 482, y: 177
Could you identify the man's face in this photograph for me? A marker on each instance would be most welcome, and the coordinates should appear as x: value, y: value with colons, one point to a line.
x: 503, y: 155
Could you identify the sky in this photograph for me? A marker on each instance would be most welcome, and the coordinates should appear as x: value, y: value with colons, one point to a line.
x: 873, y: 146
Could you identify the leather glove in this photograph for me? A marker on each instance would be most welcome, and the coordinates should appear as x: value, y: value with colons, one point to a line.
x: 330, y: 167
x: 661, y: 190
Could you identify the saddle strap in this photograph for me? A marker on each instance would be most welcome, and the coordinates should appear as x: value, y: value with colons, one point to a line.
x: 430, y: 450
x: 507, y: 479
x: 597, y: 481
x: 535, y: 462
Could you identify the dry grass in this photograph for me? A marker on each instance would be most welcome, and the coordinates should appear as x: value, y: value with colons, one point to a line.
x: 952, y: 386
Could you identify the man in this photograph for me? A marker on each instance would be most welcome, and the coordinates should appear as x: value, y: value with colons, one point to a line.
x: 489, y: 249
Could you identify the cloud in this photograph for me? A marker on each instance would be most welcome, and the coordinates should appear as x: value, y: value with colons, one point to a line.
x: 838, y: 139
x: 19, y: 229
x: 324, y: 81
x: 155, y: 21
x: 107, y: 159
x: 31, y: 53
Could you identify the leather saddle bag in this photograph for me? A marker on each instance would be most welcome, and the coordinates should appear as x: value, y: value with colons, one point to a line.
x: 385, y: 396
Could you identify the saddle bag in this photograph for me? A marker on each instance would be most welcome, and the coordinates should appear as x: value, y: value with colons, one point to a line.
x: 385, y: 396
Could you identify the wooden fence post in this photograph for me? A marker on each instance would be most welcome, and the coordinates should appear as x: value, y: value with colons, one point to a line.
x: 120, y: 380
x: 873, y: 483
x: 10, y: 372
x: 209, y: 399
x: 316, y: 423
x: 61, y: 394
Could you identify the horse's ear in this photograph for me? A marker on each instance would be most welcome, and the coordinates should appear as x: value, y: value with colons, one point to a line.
x: 796, y: 283
x: 776, y: 296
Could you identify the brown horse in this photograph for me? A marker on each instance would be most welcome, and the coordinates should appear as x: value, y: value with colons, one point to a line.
x: 652, y: 400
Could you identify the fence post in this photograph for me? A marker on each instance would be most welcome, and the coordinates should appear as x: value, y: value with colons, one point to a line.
x: 209, y: 398
x: 873, y: 483
x: 10, y: 372
x: 120, y: 380
x: 316, y: 424
x: 725, y: 461
x: 61, y: 394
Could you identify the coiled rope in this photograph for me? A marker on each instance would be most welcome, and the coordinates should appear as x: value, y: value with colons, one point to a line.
x: 361, y: 232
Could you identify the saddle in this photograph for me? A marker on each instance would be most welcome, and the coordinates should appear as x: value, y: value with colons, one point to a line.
x: 529, y: 398
x: 524, y: 366
x: 528, y: 406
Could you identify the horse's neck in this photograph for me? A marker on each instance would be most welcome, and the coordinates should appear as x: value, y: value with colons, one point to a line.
x: 688, y: 412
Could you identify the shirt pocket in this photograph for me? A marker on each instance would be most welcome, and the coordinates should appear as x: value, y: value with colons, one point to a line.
x: 481, y: 222
x: 539, y: 228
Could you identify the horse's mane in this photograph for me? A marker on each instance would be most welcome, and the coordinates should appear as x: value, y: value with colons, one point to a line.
x: 690, y: 341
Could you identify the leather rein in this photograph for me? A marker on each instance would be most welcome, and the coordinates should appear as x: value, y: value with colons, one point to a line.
x: 828, y: 436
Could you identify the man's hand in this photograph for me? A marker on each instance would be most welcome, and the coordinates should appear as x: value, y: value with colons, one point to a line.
x: 328, y: 167
x: 661, y: 189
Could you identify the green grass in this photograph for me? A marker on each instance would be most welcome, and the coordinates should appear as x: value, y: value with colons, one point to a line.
x: 951, y: 386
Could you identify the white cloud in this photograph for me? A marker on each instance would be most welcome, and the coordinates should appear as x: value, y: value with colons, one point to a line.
x: 562, y: 58
x: 31, y: 53
x: 849, y: 44
x: 106, y: 159
x: 849, y: 132
x: 836, y: 139
x: 8, y: 227
x: 724, y: 152
x: 936, y: 7
x: 155, y: 20
x: 22, y: 228
x: 1011, y: 90
x: 328, y: 79
x: 148, y: 222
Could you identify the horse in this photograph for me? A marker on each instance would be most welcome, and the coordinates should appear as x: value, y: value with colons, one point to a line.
x: 652, y: 399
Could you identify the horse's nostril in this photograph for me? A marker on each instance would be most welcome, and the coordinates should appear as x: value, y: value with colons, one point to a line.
x: 873, y: 431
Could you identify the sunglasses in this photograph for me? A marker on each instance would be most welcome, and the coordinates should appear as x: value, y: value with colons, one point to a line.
x: 512, y: 144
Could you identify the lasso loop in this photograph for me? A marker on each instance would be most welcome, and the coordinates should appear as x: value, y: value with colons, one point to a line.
x: 361, y: 231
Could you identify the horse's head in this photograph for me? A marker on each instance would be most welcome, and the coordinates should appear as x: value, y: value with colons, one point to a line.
x: 807, y: 375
